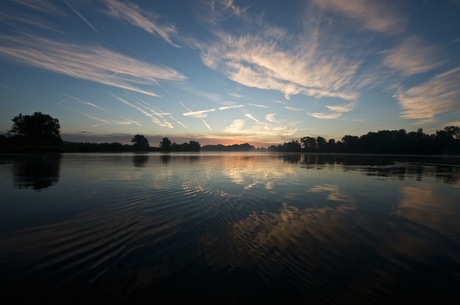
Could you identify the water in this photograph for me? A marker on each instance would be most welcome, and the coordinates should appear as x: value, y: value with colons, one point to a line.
x: 229, y: 228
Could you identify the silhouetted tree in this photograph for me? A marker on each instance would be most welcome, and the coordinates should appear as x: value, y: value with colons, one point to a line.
x: 234, y: 147
x: 140, y: 142
x: 447, y: 140
x: 35, y: 129
x: 309, y: 143
x: 330, y: 146
x: 165, y: 144
x: 350, y: 143
x: 190, y: 146
x: 293, y: 146
x: 320, y: 143
x: 194, y: 146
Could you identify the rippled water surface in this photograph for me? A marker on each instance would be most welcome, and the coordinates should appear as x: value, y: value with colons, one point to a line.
x: 229, y: 229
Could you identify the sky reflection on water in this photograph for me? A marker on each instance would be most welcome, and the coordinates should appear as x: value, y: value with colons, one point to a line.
x: 233, y: 228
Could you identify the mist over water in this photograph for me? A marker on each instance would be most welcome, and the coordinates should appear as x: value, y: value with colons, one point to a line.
x: 229, y: 228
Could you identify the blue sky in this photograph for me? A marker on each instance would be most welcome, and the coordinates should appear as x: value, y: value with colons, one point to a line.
x: 227, y: 71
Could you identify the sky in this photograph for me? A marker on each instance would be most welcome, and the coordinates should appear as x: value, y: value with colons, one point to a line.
x: 227, y: 71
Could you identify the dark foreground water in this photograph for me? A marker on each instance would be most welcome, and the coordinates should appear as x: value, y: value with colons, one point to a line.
x: 229, y: 229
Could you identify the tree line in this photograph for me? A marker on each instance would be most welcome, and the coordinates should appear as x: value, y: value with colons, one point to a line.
x: 41, y: 132
x: 233, y: 147
x: 444, y: 141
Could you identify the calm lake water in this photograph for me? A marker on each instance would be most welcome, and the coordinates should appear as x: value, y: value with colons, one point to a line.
x: 229, y: 228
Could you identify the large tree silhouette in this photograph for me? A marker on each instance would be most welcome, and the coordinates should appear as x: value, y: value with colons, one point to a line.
x: 38, y: 128
x: 140, y: 142
x: 165, y: 144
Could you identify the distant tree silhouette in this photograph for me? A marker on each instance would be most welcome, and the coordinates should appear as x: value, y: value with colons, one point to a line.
x: 321, y: 143
x: 165, y: 144
x: 448, y: 139
x: 36, y: 129
x: 292, y: 146
x: 234, y: 147
x: 444, y: 141
x: 140, y: 142
x: 190, y: 146
x: 41, y: 132
x: 309, y: 143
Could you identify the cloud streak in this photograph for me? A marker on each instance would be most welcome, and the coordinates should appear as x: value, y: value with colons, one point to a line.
x: 203, y: 113
x: 254, y: 62
x: 413, y: 56
x: 292, y: 108
x: 342, y: 108
x: 269, y: 58
x: 135, y: 16
x: 217, y: 11
x: 438, y: 95
x: 271, y: 117
x: 81, y: 102
x: 81, y: 16
x: 41, y: 6
x: 258, y: 105
x: 106, y: 122
x: 146, y: 110
x: 85, y: 62
x: 374, y: 15
x: 252, y: 117
x: 198, y: 116
x: 325, y: 116
x: 335, y: 111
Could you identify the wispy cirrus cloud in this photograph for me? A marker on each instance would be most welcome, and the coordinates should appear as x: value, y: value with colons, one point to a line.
x: 147, y: 110
x: 438, y: 95
x: 271, y: 117
x: 217, y: 11
x: 307, y: 61
x: 413, y: 56
x: 236, y: 95
x: 178, y: 122
x: 230, y: 107
x: 258, y: 105
x: 83, y: 102
x: 42, y: 6
x: 335, y: 111
x: 325, y: 115
x: 81, y: 16
x: 343, y: 107
x: 252, y: 117
x: 203, y: 113
x: 374, y: 15
x: 91, y: 63
x: 199, y: 114
x: 106, y: 121
x: 259, y: 131
x: 148, y: 21
x: 235, y: 127
x: 292, y: 108
x: 255, y: 62
x: 32, y: 21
